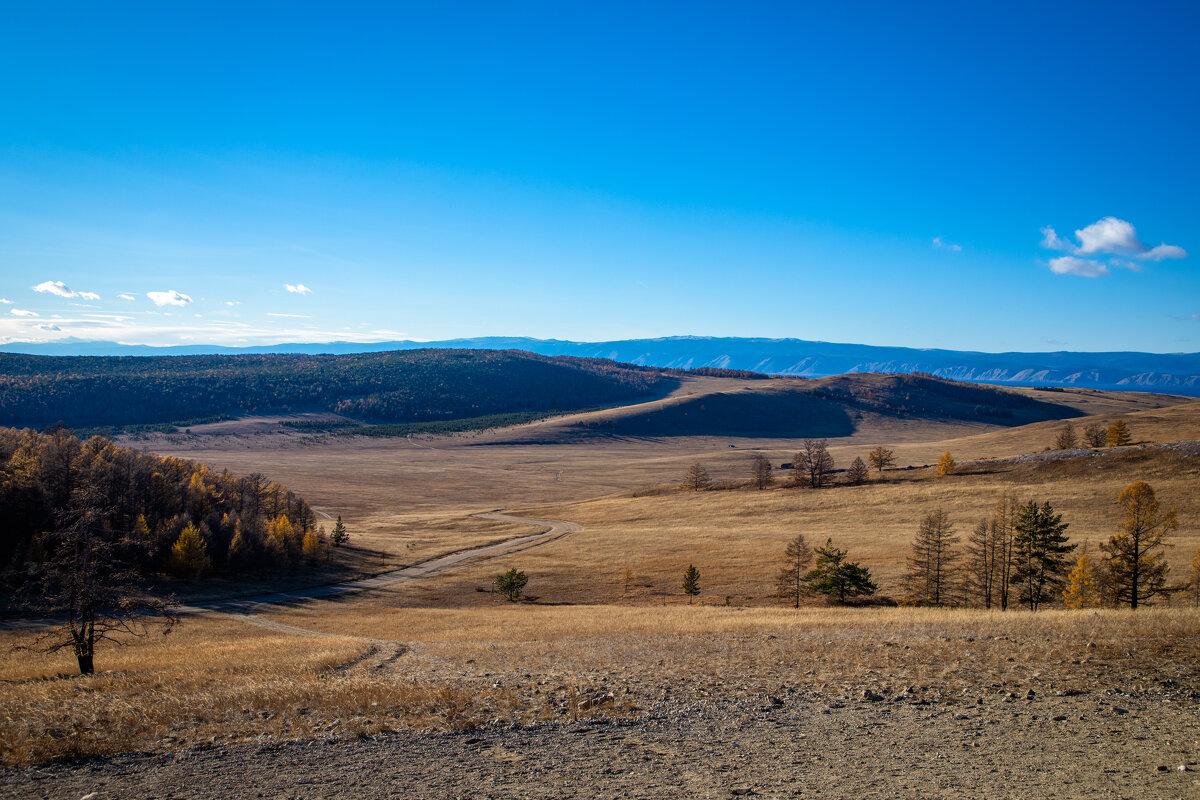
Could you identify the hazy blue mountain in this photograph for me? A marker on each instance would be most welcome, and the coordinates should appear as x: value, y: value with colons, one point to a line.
x: 1177, y: 373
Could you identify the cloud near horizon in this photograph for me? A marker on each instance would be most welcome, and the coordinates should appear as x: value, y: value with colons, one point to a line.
x: 62, y: 290
x: 20, y: 312
x: 1102, y: 239
x: 299, y: 288
x: 169, y: 298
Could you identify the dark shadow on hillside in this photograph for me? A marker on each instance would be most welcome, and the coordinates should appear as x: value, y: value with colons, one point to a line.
x: 746, y: 414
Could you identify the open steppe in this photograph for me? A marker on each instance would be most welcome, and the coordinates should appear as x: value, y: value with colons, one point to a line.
x: 597, y: 688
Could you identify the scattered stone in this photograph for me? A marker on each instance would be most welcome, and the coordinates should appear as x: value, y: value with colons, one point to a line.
x: 741, y: 790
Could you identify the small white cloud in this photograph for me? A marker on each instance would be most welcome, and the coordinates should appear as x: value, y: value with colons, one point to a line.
x: 20, y: 312
x: 5, y: 301
x: 1110, y: 236
x: 940, y: 244
x: 48, y: 327
x: 1070, y: 265
x: 169, y: 298
x: 62, y: 290
x: 299, y: 288
x: 232, y: 303
x: 1126, y: 264
x: 126, y: 296
x: 292, y: 316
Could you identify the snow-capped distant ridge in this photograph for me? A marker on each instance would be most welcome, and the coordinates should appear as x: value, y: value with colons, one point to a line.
x: 1177, y: 373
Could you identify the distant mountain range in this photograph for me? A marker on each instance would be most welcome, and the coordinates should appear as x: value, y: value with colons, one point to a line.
x: 1175, y: 373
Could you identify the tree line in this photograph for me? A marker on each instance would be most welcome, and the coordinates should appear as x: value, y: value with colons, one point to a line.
x: 162, y: 514
x: 1021, y: 554
x: 399, y: 386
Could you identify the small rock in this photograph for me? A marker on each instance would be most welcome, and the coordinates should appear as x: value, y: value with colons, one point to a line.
x: 741, y: 790
x: 1183, y: 768
x: 1060, y: 718
x: 1163, y: 768
x: 873, y: 697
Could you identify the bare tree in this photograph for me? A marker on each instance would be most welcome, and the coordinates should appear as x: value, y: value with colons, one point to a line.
x: 881, y: 458
x: 796, y: 558
x: 931, y: 562
x: 696, y: 479
x: 1066, y: 438
x: 1095, y: 435
x: 982, y: 572
x: 84, y: 583
x: 813, y: 465
x: 857, y: 472
x: 1004, y: 517
x: 760, y: 471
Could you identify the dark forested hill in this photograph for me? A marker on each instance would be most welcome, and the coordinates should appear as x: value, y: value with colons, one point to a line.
x: 402, y: 386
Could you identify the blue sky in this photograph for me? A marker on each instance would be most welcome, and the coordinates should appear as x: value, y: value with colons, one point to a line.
x: 901, y: 174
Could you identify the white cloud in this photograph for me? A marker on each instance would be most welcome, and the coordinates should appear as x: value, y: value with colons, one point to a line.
x: 62, y: 290
x: 126, y: 296
x: 1110, y: 236
x: 939, y: 244
x: 1070, y: 265
x: 20, y: 312
x: 48, y: 327
x: 232, y: 303
x: 5, y: 301
x: 169, y: 298
x: 291, y: 316
x: 299, y: 288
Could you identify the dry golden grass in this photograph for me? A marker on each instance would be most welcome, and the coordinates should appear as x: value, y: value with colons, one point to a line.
x: 219, y: 679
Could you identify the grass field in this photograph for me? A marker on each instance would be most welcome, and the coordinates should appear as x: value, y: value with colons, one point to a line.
x: 447, y: 653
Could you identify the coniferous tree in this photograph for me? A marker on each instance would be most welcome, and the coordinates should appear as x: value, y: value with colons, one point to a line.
x: 929, y: 581
x: 834, y: 576
x: 339, y: 536
x: 797, y: 555
x: 1136, y: 565
x: 1004, y: 531
x: 82, y: 581
x: 881, y: 458
x: 696, y: 479
x: 1094, y: 435
x: 1066, y: 439
x: 511, y: 584
x: 1081, y: 590
x: 857, y: 472
x: 1193, y: 584
x: 691, y: 582
x: 1040, y: 551
x: 311, y: 546
x: 1118, y: 434
x: 982, y: 573
x: 946, y: 464
x: 760, y: 471
x: 189, y: 554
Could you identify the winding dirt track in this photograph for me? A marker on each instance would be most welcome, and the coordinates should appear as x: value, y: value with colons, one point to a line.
x: 245, y: 608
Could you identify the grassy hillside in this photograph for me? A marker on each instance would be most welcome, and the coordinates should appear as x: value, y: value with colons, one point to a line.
x: 395, y: 387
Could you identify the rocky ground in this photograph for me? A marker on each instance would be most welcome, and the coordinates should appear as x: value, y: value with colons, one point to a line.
x: 796, y: 744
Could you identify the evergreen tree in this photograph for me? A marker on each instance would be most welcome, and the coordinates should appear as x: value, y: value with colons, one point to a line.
x: 797, y: 555
x: 511, y: 584
x: 1081, y: 591
x: 189, y: 554
x: 857, y: 473
x: 339, y: 536
x: 930, y: 565
x: 1118, y: 434
x: 946, y: 464
x: 1040, y: 552
x: 691, y: 582
x: 1193, y: 584
x: 834, y: 576
x: 1137, y: 567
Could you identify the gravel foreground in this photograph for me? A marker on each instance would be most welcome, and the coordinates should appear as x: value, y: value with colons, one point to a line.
x: 792, y: 745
